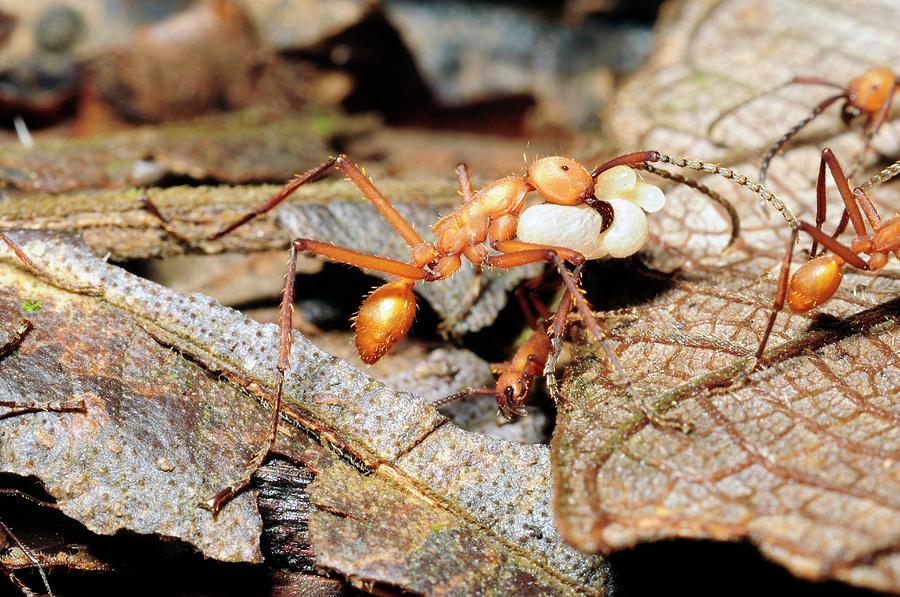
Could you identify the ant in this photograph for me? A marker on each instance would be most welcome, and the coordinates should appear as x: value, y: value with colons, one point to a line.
x: 584, y: 215
x: 871, y: 94
x: 817, y: 280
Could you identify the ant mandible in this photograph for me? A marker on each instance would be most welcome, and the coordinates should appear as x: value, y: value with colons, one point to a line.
x: 576, y: 224
x: 817, y: 280
x: 871, y: 94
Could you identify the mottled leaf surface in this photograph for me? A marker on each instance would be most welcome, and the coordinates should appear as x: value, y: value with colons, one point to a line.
x: 499, y: 490
x: 250, y: 146
x: 801, y: 458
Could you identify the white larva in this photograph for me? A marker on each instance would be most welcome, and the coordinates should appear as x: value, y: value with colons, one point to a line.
x: 578, y: 227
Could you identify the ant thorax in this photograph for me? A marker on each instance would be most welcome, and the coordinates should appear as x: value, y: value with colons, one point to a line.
x: 578, y: 227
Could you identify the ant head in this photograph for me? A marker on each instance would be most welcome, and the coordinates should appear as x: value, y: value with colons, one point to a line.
x: 512, y: 391
x: 560, y: 180
x: 867, y: 93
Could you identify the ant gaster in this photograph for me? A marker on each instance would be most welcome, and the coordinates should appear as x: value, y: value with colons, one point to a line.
x: 817, y: 280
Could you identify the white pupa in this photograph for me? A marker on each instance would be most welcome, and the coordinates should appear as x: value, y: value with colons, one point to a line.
x: 578, y: 227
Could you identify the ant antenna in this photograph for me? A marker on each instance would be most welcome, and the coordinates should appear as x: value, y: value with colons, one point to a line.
x: 776, y: 147
x: 716, y: 197
x: 462, y: 395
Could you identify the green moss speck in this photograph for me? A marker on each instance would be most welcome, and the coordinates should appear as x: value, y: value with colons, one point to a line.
x: 31, y: 306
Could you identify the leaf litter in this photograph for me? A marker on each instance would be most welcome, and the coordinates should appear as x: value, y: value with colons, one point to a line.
x: 801, y: 457
x: 194, y: 415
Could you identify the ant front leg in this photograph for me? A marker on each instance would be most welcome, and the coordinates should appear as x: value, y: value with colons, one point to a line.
x: 587, y: 315
x: 384, y: 318
x: 557, y: 256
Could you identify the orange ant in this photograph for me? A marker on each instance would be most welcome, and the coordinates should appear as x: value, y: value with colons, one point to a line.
x: 870, y: 94
x: 584, y: 215
x: 817, y: 280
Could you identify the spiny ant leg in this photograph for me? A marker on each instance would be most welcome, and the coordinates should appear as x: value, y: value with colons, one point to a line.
x: 464, y: 181
x: 776, y: 147
x: 69, y: 405
x: 32, y: 557
x: 800, y: 80
x: 587, y: 316
x: 780, y: 294
x: 557, y: 331
x: 151, y: 208
x: 285, y: 326
x: 830, y: 161
x: 357, y: 177
x: 25, y: 259
x: 842, y: 251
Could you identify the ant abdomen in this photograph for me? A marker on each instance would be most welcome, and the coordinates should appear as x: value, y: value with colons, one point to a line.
x: 383, y: 319
x: 814, y: 283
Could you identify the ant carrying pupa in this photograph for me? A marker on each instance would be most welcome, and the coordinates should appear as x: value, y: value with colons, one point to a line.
x: 870, y: 95
x: 583, y: 215
x: 817, y: 280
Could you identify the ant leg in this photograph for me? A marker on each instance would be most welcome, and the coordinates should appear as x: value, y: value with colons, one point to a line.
x: 357, y: 177
x: 148, y: 204
x: 842, y: 251
x: 462, y: 395
x: 557, y: 332
x: 32, y: 558
x: 587, y: 316
x: 727, y: 205
x: 522, y: 257
x: 25, y: 259
x: 776, y: 147
x: 851, y: 205
x: 778, y: 304
x: 285, y: 326
x: 464, y: 182
x: 800, y: 80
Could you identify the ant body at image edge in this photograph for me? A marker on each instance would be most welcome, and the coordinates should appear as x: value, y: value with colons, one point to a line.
x: 870, y: 95
x: 816, y: 281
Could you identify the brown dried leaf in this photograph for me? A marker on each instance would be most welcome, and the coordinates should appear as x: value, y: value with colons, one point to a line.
x: 152, y: 444
x: 802, y: 458
x: 249, y: 146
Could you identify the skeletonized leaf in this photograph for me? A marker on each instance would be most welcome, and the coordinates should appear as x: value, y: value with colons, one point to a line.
x: 802, y: 457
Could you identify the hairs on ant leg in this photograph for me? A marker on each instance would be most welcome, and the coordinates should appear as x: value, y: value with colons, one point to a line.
x: 869, y: 95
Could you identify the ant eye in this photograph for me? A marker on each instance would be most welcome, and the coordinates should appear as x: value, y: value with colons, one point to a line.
x: 565, y: 167
x: 509, y: 392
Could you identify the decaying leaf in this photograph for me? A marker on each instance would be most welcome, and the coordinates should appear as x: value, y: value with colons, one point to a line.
x: 161, y: 432
x: 801, y: 458
x: 249, y: 146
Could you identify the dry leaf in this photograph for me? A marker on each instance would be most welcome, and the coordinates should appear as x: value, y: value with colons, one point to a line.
x: 161, y: 432
x: 802, y: 459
